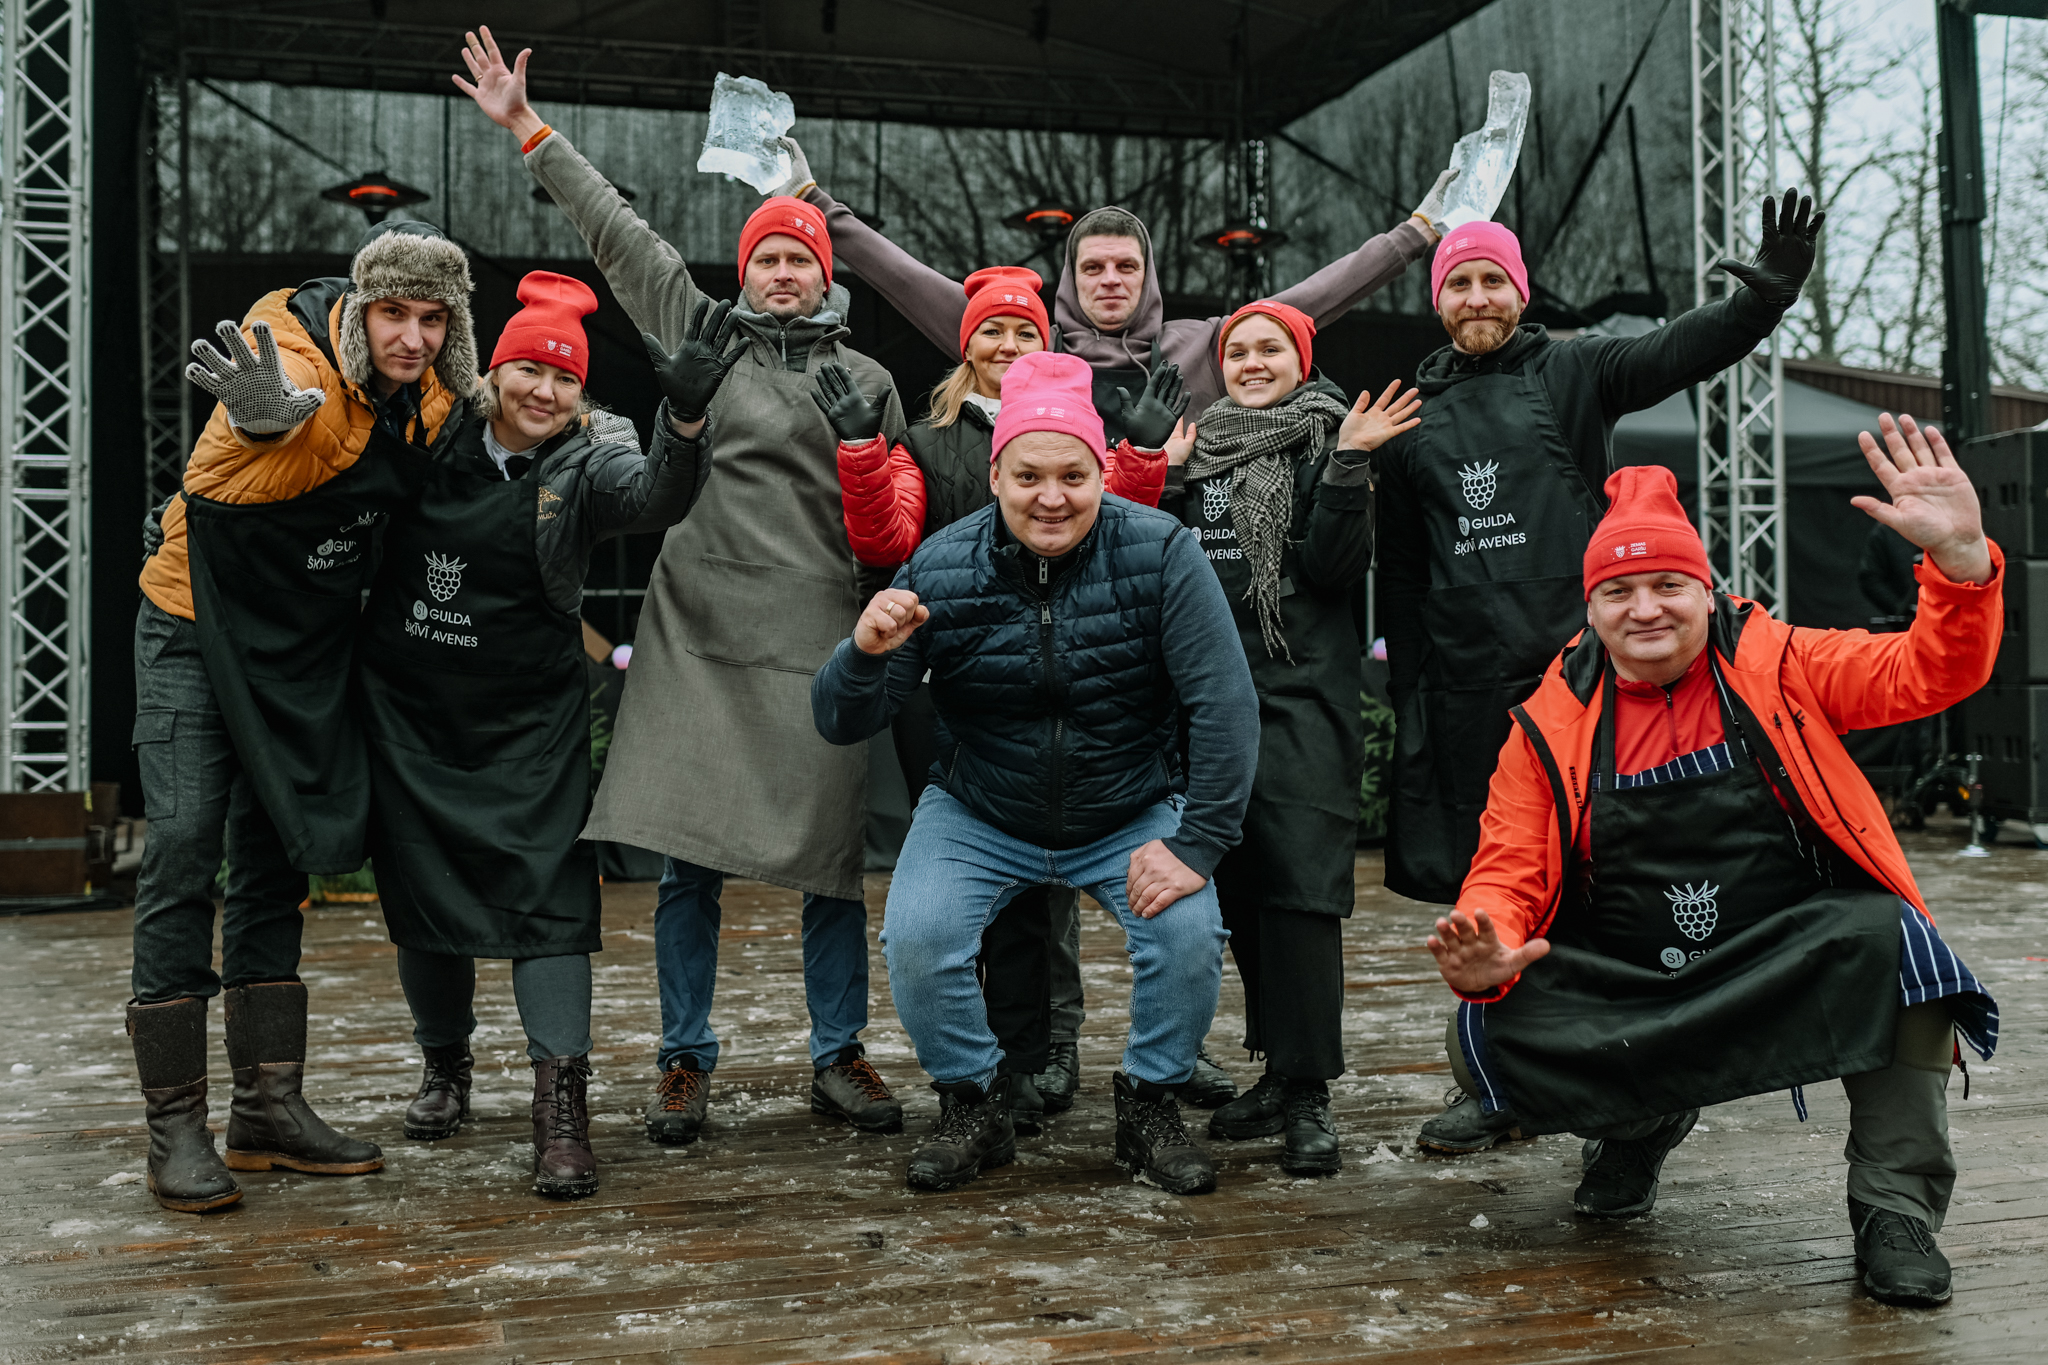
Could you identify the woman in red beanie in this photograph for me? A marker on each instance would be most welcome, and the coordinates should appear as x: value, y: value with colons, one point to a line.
x: 472, y: 678
x: 1276, y: 482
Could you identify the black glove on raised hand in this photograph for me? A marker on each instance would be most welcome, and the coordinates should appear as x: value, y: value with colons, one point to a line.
x: 690, y: 376
x: 1150, y: 419
x: 1784, y: 254
x: 854, y: 418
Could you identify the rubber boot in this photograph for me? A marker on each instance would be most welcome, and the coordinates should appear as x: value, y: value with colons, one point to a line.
x: 443, y: 1102
x: 564, y: 1167
x: 185, y: 1173
x: 271, y: 1124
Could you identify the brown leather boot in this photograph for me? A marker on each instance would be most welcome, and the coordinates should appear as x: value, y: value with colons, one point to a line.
x: 271, y: 1124
x: 185, y: 1173
x: 443, y: 1102
x: 564, y: 1167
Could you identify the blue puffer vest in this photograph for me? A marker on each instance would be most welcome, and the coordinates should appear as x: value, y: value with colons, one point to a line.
x: 1058, y: 720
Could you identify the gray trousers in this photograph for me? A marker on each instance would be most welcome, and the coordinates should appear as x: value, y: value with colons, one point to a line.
x: 200, y: 805
x: 553, y: 994
x: 1065, y: 976
x: 1898, y: 1152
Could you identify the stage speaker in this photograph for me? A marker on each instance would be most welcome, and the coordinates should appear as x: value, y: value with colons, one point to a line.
x: 2007, y: 723
x: 2011, y: 474
x: 2023, y: 649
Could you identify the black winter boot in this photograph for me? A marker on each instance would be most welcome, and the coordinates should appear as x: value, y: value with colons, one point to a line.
x: 1060, y: 1079
x: 1027, y: 1106
x: 975, y: 1134
x: 1311, y: 1138
x: 271, y: 1124
x: 443, y: 1102
x: 1463, y: 1128
x: 185, y: 1173
x: 1153, y: 1144
x: 1209, y: 1087
x: 564, y: 1167
x: 1901, y: 1263
x: 1621, y: 1173
x: 1258, y: 1112
x: 850, y: 1088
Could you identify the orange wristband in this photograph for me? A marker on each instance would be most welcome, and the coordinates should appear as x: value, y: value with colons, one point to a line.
x: 535, y: 140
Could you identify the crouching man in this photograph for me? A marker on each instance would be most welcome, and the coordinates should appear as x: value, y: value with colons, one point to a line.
x: 1065, y: 633
x: 1694, y: 893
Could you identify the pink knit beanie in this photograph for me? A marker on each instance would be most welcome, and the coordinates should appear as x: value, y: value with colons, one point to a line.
x: 1048, y: 391
x: 1478, y: 242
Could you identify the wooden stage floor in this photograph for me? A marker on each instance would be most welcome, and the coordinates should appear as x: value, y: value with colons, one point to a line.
x: 780, y: 1237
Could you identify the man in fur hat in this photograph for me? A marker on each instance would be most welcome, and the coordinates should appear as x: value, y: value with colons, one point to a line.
x: 242, y: 645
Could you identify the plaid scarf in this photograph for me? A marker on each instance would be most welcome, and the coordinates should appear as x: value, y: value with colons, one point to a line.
x: 1261, y: 444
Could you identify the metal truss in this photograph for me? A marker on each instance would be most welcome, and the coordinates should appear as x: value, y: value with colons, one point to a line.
x: 1734, y: 157
x: 46, y: 84
x: 162, y: 249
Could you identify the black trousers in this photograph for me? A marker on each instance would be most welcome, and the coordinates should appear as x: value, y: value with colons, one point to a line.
x: 1016, y: 949
x: 1292, y: 966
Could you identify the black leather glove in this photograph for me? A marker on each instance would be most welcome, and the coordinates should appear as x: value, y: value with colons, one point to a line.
x: 855, y: 419
x: 690, y: 376
x: 1784, y: 255
x: 1150, y: 419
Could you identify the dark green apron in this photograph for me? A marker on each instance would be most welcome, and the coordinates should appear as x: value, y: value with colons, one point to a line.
x: 276, y: 590
x: 479, y: 724
x: 1508, y: 515
x: 1708, y: 951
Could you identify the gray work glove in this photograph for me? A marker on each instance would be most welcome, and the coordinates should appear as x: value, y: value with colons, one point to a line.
x: 800, y: 181
x: 1431, y: 209
x: 253, y: 387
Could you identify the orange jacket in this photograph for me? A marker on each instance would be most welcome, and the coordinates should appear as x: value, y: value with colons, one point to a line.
x: 882, y: 493
x: 228, y: 466
x: 1807, y: 688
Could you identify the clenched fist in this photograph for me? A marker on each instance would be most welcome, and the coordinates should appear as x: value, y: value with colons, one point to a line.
x: 888, y: 621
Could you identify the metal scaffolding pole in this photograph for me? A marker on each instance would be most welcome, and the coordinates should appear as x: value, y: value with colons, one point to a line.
x: 1734, y: 157
x: 46, y: 86
x: 166, y: 286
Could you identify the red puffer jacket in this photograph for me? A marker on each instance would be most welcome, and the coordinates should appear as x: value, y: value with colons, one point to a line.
x: 1806, y: 687
x: 883, y: 494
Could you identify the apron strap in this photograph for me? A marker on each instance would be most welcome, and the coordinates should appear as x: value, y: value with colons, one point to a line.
x: 1558, y: 800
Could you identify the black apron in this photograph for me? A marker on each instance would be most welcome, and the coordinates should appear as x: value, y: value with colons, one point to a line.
x: 475, y: 699
x: 1708, y: 951
x: 1508, y: 515
x: 276, y: 590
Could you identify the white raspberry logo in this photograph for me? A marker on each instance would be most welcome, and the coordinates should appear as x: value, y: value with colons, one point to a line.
x: 1694, y: 910
x: 1215, y: 499
x: 1478, y: 481
x: 444, y: 576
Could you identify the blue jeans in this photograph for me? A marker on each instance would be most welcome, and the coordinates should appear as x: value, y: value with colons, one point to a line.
x: 686, y: 917
x: 956, y: 872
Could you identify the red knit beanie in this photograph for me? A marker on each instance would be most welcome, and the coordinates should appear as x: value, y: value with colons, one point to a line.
x: 792, y: 218
x: 1299, y: 325
x: 1478, y: 242
x: 1644, y: 530
x: 1004, y: 291
x: 1048, y: 391
x: 550, y: 328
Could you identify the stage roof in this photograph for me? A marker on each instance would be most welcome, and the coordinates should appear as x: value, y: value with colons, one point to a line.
x: 1150, y: 67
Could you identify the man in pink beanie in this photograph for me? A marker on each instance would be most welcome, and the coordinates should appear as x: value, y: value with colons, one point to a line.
x: 1485, y: 511
x: 1066, y: 635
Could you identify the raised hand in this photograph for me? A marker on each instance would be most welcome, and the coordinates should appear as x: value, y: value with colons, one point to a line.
x: 855, y: 419
x: 1472, y: 958
x: 1784, y: 253
x: 260, y: 398
x: 800, y: 181
x: 690, y: 375
x: 1431, y: 209
x: 499, y: 90
x: 1149, y: 420
x: 1181, y: 444
x: 1933, y: 503
x: 1370, y: 426
x: 891, y: 618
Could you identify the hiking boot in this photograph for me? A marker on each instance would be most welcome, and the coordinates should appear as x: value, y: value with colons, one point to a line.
x: 676, y: 1113
x: 1901, y: 1263
x: 270, y: 1123
x: 1255, y: 1113
x: 974, y: 1135
x: 185, y: 1173
x: 443, y: 1102
x: 1209, y: 1087
x: 564, y: 1167
x: 1463, y: 1128
x: 1311, y: 1138
x: 1027, y: 1107
x: 1621, y: 1173
x: 852, y: 1089
x: 1060, y: 1079
x: 1153, y: 1144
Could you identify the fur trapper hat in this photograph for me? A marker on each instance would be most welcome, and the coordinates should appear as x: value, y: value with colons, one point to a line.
x: 411, y: 261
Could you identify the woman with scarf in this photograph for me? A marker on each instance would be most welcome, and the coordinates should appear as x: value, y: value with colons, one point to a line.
x: 895, y: 497
x: 1276, y: 481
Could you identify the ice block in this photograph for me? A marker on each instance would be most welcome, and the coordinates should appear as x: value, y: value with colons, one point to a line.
x: 746, y: 119
x: 1485, y: 160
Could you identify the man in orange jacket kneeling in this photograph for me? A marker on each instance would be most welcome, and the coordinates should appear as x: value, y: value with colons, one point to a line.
x: 1685, y: 890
